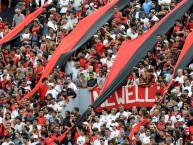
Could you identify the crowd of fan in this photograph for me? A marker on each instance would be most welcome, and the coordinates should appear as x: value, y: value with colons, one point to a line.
x: 38, y: 119
x: 22, y: 10
x: 172, y: 116
x: 21, y: 66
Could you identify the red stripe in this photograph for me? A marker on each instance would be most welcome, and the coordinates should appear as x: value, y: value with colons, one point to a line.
x: 21, y: 25
x: 128, y: 49
x: 186, y: 47
x: 70, y: 41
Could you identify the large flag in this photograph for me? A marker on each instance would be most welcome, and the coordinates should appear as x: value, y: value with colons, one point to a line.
x: 185, y: 57
x: 131, y: 52
x: 85, y: 29
x: 186, y: 54
x: 17, y: 29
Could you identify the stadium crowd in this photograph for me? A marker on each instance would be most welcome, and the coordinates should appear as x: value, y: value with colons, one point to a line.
x: 37, y: 120
x: 22, y: 10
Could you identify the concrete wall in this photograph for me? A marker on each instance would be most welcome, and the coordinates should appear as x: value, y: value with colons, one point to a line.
x: 82, y: 100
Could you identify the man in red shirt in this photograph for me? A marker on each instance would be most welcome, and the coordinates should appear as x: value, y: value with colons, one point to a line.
x: 99, y: 46
x: 41, y: 119
x: 50, y: 139
x: 14, y: 57
x: 43, y: 89
x: 5, y: 84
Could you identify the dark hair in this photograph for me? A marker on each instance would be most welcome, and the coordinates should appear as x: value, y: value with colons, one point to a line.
x: 91, y: 73
x: 19, y: 118
x: 39, y: 60
x: 56, y: 142
x: 105, y: 109
x: 76, y: 108
x: 44, y: 79
x: 26, y: 137
x: 7, y: 136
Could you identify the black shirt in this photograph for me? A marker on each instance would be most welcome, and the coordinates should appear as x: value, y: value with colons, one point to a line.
x: 91, y: 82
x: 68, y: 142
x: 190, y: 123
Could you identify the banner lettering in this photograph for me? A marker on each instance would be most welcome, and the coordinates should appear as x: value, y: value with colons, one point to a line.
x: 128, y: 97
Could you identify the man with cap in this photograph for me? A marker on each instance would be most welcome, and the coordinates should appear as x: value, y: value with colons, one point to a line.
x: 51, y: 90
x: 54, y: 13
x: 115, y: 132
x: 35, y: 139
x: 69, y: 92
x: 17, y: 18
x: 89, y: 9
x: 137, y: 13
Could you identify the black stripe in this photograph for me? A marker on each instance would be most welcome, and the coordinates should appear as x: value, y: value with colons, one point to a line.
x: 17, y: 36
x: 93, y: 29
x: 146, y: 46
x: 185, y: 60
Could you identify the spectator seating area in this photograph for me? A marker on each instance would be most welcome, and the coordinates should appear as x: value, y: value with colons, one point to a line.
x: 37, y: 120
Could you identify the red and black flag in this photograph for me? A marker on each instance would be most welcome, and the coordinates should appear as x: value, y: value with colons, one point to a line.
x: 131, y: 52
x: 85, y: 29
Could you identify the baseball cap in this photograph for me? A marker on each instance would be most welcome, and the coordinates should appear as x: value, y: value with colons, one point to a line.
x: 181, y: 119
x: 35, y: 136
x: 50, y: 84
x: 53, y: 9
x: 178, y: 117
x: 85, y: 123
